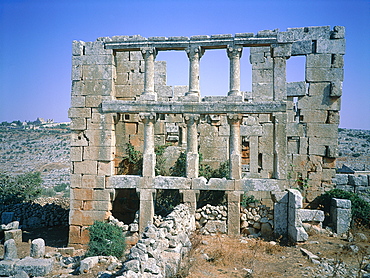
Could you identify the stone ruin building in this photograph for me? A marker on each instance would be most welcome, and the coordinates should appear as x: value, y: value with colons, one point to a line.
x: 278, y: 136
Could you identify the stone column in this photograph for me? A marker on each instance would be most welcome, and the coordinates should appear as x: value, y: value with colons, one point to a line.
x: 234, y: 146
x: 233, y: 212
x: 149, y: 54
x: 194, y: 54
x: 280, y: 146
x: 192, y: 155
x: 148, y: 154
x: 234, y: 54
x: 146, y: 207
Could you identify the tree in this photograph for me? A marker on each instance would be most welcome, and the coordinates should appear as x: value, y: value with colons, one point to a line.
x: 19, y: 188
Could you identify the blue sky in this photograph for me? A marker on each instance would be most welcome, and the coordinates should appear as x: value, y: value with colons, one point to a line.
x: 36, y: 38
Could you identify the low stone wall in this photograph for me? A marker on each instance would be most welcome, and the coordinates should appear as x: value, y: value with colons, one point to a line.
x: 32, y: 215
x: 211, y: 219
x: 160, y: 250
x: 256, y: 220
x: 359, y: 184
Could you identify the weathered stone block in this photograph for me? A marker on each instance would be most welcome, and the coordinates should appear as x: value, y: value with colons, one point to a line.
x: 100, y: 138
x: 337, y: 46
x: 281, y: 50
x: 13, y: 234
x: 322, y: 130
x: 86, y: 218
x: 37, y: 248
x: 310, y: 215
x: 310, y: 33
x: 262, y: 76
x: 96, y: 48
x: 337, y: 61
x: 78, y: 101
x: 93, y: 101
x: 92, y: 181
x: 262, y: 91
x: 85, y: 167
x: 294, y: 199
x: 34, y: 267
x: 323, y: 74
x: 78, y: 48
x: 336, y: 89
x: 98, y: 153
x: 341, y: 219
x: 98, y: 60
x: 78, y: 124
x: 90, y: 72
x: 301, y: 48
x: 296, y: 89
x: 340, y: 179
x: 338, y: 32
x: 7, y: 267
x: 360, y: 180
x: 76, y: 153
x: 318, y: 61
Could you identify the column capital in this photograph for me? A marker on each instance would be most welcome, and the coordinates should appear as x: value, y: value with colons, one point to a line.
x: 194, y: 52
x: 234, y: 118
x: 191, y: 118
x: 147, y: 51
x: 234, y: 51
x: 145, y: 117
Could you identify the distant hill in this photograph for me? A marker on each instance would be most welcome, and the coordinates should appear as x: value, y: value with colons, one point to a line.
x: 44, y: 149
x: 47, y: 149
x: 354, y: 149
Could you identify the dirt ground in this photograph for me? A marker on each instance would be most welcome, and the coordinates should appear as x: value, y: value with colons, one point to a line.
x: 223, y: 256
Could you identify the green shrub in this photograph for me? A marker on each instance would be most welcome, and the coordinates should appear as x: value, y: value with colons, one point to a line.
x: 179, y: 169
x: 248, y: 199
x: 166, y: 201
x: 360, y: 208
x: 19, y: 188
x: 160, y: 161
x: 60, y: 187
x: 48, y: 192
x: 105, y: 240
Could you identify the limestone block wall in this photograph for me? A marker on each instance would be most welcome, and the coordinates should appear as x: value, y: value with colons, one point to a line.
x: 359, y: 184
x: 281, y: 135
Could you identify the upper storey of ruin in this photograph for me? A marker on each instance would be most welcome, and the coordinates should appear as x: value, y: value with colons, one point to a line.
x: 314, y: 41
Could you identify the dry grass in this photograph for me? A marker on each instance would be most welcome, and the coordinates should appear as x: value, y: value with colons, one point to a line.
x: 223, y: 256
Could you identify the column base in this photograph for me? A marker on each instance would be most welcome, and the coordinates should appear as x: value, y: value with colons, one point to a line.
x: 192, y: 97
x: 235, y: 98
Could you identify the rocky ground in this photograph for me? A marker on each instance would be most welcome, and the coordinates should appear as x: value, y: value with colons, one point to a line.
x: 45, y: 150
x: 224, y: 256
x: 354, y: 149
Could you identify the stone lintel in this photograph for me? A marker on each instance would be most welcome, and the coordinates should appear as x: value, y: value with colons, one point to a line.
x: 260, y: 185
x: 120, y: 106
x: 181, y: 183
x: 206, y: 43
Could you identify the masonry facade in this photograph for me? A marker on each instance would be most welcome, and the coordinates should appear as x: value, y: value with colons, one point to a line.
x: 280, y: 135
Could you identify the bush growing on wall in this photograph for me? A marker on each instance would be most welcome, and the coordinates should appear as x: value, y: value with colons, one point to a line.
x: 19, y: 188
x: 105, y: 240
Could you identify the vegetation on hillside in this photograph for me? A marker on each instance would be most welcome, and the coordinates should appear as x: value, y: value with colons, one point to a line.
x: 16, y: 189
